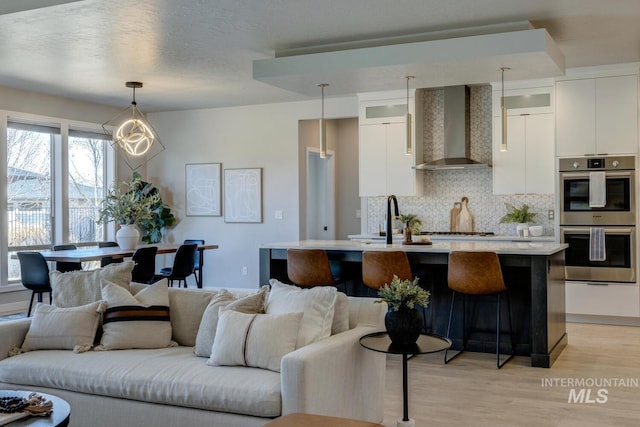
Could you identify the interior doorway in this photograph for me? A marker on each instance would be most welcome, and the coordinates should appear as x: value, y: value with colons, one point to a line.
x: 321, y: 196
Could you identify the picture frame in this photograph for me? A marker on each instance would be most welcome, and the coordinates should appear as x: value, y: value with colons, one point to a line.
x: 203, y: 189
x: 243, y: 195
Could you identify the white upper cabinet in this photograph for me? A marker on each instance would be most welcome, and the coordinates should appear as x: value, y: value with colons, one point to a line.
x: 597, y: 116
x: 528, y: 164
x: 384, y: 168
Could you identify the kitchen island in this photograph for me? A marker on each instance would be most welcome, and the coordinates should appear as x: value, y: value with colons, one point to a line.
x: 533, y: 271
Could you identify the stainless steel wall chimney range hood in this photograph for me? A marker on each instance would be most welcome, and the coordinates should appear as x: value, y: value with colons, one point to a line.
x: 456, y: 133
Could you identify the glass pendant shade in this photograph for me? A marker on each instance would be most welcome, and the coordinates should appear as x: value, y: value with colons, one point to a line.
x: 503, y: 112
x: 323, y: 126
x: 408, y: 145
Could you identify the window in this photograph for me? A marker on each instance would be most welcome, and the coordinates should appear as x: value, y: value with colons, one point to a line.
x: 49, y: 200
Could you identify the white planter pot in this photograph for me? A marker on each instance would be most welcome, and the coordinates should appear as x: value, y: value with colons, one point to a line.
x: 128, y: 237
x: 523, y: 229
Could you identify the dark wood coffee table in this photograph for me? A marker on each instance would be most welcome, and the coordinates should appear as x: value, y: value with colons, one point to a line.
x: 59, y: 417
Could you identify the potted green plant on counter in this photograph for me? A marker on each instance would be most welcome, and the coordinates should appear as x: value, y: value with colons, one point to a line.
x: 414, y: 222
x: 403, y: 320
x: 521, y: 216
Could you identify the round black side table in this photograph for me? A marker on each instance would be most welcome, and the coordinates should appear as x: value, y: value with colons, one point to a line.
x: 427, y: 343
x: 58, y: 418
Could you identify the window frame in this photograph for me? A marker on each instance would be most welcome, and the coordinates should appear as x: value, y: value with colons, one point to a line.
x: 59, y: 177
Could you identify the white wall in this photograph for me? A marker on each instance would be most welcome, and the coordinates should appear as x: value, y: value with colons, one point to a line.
x: 263, y: 136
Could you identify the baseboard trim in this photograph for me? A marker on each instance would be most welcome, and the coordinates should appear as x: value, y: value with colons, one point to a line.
x: 14, y: 308
x: 603, y: 320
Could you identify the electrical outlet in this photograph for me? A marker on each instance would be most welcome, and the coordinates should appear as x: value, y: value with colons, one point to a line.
x: 551, y: 214
x: 245, y: 271
x: 358, y: 213
x: 279, y: 215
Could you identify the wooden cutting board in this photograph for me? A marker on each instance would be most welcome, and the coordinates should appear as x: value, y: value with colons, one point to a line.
x: 455, y: 211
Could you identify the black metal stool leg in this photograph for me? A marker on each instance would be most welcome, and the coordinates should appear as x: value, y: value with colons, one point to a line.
x: 498, y: 333
x: 464, y: 307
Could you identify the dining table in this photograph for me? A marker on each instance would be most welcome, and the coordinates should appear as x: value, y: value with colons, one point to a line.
x: 94, y: 253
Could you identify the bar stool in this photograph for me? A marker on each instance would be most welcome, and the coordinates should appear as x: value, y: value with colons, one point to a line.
x: 309, y: 267
x: 379, y: 267
x: 477, y: 273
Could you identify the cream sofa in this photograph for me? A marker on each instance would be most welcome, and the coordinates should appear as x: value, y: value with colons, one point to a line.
x: 173, y: 387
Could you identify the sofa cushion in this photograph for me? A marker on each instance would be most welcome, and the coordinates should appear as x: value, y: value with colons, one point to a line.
x: 340, y: 314
x: 252, y: 303
x: 256, y: 340
x: 140, y: 321
x: 171, y: 376
x: 75, y: 288
x: 317, y: 304
x: 70, y: 328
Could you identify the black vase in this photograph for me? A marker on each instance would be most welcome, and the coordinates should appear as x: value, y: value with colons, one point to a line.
x: 403, y: 325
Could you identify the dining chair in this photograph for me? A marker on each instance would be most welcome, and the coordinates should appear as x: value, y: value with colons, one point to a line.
x: 35, y: 275
x: 476, y: 274
x: 183, y: 264
x: 64, y: 266
x: 106, y: 260
x: 198, y: 261
x: 145, y: 264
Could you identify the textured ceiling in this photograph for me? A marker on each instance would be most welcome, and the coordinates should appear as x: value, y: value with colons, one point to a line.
x: 199, y: 53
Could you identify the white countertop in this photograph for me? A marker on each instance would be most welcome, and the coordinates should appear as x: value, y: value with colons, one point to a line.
x: 498, y: 246
x: 440, y: 237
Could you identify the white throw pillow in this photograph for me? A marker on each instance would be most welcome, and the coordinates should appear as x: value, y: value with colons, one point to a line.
x: 75, y: 288
x: 256, y: 340
x: 140, y: 321
x: 317, y: 304
x: 341, y: 314
x: 72, y: 328
x: 253, y: 303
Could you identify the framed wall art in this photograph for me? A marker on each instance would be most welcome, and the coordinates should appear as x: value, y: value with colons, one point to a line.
x: 203, y: 189
x: 243, y: 195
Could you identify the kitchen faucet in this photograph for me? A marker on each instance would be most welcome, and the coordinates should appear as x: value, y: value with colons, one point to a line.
x: 389, y: 221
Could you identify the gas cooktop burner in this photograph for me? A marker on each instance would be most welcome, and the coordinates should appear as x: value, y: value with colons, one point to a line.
x: 457, y: 233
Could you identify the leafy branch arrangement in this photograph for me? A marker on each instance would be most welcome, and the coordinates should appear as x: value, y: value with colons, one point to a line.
x: 517, y: 215
x: 137, y: 202
x: 403, y: 293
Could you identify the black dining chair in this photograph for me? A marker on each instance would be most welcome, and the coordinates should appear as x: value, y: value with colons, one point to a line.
x: 197, y: 262
x: 106, y: 260
x: 145, y: 267
x: 35, y: 275
x: 183, y: 264
x: 64, y: 266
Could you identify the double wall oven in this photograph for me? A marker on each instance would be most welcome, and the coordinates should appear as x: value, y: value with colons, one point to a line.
x: 598, y: 218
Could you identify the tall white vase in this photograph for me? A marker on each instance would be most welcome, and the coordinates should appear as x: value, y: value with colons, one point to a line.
x: 127, y: 236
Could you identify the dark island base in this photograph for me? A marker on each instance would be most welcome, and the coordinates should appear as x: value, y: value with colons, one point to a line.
x: 536, y: 286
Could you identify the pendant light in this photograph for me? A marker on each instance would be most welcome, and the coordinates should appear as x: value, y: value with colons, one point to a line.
x: 408, y: 147
x: 503, y: 112
x: 323, y: 126
x: 136, y: 140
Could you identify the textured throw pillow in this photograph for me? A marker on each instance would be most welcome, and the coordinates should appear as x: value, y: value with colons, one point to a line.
x: 76, y: 288
x: 341, y: 314
x: 253, y: 303
x: 140, y: 321
x: 256, y: 340
x: 72, y: 328
x: 187, y: 307
x: 317, y: 304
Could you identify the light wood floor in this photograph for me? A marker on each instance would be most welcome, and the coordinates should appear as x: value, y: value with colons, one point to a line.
x: 470, y: 391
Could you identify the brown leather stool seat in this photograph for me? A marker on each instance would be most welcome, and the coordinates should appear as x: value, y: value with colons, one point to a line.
x: 309, y: 267
x: 477, y: 273
x: 379, y: 267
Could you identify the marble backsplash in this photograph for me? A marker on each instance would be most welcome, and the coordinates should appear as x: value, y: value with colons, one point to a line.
x: 443, y: 188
